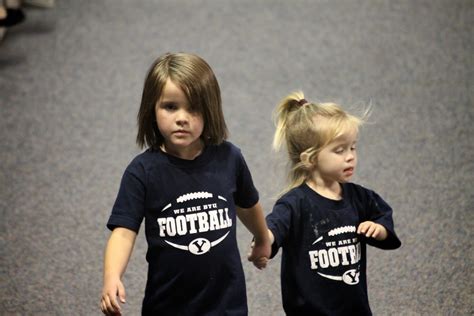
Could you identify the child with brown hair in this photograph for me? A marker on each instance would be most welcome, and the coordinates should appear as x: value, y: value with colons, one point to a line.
x: 189, y: 185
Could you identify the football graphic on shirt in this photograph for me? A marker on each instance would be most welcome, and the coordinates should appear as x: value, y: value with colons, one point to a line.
x: 336, y: 254
x: 195, y: 222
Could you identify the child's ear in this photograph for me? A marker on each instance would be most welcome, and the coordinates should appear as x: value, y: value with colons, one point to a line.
x: 309, y: 161
x: 304, y: 158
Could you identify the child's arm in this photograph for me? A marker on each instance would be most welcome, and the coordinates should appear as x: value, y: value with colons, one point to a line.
x: 254, y: 220
x: 377, y: 222
x: 117, y: 254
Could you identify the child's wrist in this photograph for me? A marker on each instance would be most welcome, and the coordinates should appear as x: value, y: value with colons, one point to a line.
x: 264, y: 238
x: 383, y: 233
x: 271, y: 237
x: 261, y: 239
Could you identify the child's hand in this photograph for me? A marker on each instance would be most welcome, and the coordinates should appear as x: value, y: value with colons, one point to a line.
x: 259, y: 263
x: 108, y: 304
x: 260, y: 251
x: 257, y: 256
x: 372, y: 230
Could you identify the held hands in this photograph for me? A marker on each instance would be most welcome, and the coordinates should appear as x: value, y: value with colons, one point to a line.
x: 108, y: 304
x: 372, y: 230
x: 260, y: 251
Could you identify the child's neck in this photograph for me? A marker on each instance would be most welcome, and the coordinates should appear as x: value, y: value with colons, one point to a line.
x: 331, y: 190
x: 188, y: 153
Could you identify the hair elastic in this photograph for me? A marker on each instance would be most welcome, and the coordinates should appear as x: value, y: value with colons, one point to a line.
x: 302, y: 102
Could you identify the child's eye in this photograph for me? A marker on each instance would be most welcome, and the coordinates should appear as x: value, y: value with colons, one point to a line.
x: 169, y: 106
x: 339, y: 150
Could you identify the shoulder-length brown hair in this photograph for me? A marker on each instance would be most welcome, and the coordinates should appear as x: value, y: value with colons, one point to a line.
x: 198, y: 82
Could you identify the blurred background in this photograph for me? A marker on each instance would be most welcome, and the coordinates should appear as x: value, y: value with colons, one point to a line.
x: 71, y: 79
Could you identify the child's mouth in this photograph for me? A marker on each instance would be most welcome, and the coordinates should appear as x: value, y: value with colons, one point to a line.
x: 349, y: 171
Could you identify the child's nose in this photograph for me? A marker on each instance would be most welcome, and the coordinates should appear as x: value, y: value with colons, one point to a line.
x: 182, y: 117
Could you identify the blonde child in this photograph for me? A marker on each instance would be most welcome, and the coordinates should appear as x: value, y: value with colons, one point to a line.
x: 188, y: 186
x: 323, y: 222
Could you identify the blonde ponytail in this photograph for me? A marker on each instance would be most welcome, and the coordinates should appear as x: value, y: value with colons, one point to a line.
x: 287, y: 105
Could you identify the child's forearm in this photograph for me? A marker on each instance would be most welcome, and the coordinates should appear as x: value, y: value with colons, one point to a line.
x: 118, y: 251
x: 253, y: 218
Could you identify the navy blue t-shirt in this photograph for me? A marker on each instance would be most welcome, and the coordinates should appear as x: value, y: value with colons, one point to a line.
x: 323, y: 268
x: 194, y: 266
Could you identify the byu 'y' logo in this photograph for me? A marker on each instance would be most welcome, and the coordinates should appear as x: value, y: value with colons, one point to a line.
x: 199, y: 246
x: 351, y: 277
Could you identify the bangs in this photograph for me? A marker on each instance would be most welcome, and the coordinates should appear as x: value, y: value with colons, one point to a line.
x: 333, y: 127
x: 193, y: 94
x: 345, y: 126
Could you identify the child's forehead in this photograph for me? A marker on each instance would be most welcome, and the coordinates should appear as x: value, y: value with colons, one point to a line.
x: 348, y: 136
x: 172, y: 91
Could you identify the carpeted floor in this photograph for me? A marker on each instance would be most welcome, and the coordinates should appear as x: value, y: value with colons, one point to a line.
x: 70, y: 85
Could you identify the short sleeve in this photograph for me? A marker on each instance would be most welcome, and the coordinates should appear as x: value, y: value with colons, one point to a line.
x: 246, y: 195
x: 279, y: 221
x: 380, y: 212
x: 129, y: 207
